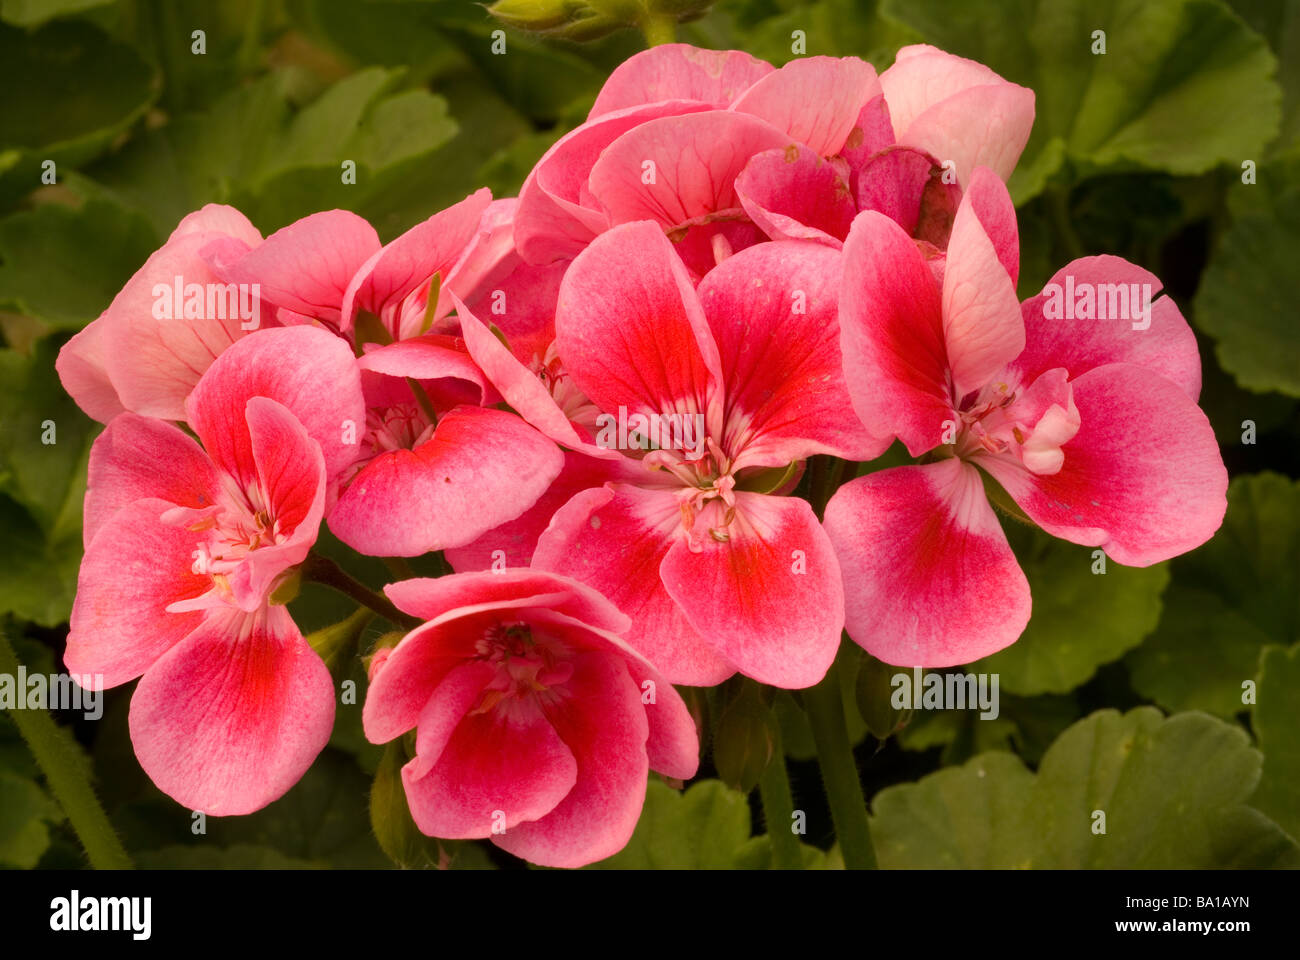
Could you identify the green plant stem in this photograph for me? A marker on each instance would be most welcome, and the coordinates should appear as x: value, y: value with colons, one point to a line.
x: 1058, y: 204
x: 659, y: 30
x: 778, y: 810
x: 323, y: 570
x: 825, y: 708
x: 67, y: 775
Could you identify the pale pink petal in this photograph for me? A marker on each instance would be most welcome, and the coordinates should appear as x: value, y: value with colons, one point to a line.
x: 676, y: 170
x: 985, y: 126
x: 929, y: 579
x: 1117, y: 333
x: 815, y: 100
x: 219, y: 218
x: 679, y: 71
x: 434, y: 356
x: 481, y: 468
x: 1143, y: 477
x: 922, y: 76
x: 982, y: 326
x: 81, y: 367
x: 232, y: 716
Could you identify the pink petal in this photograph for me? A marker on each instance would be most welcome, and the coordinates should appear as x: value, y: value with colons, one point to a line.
x: 769, y: 597
x: 986, y: 126
x: 433, y: 356
x: 409, y: 262
x: 522, y: 306
x: 133, y: 569
x: 891, y: 335
x: 679, y: 71
x: 219, y: 218
x: 929, y: 579
x: 772, y: 309
x: 604, y: 724
x: 793, y: 194
x: 815, y: 100
x: 82, y: 368
x: 306, y: 267
x: 696, y: 159
x: 481, y: 468
x: 310, y: 371
x: 872, y: 133
x: 230, y: 718
x: 1143, y: 478
x: 615, y: 539
x: 982, y: 326
x: 922, y: 76
x: 629, y: 326
x: 551, y: 222
x: 514, y: 541
x: 136, y: 458
x: 491, y: 771
x: 1167, y: 346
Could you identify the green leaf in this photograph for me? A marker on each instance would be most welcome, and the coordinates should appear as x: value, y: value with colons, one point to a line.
x: 56, y: 267
x: 1167, y: 94
x: 1246, y: 299
x: 757, y: 855
x: 703, y: 828
x: 24, y: 828
x: 29, y: 13
x: 1229, y: 598
x: 1276, y: 719
x: 240, y: 856
x: 1172, y: 792
x: 1024, y: 725
x: 1081, y: 620
x: 70, y: 90
x: 38, y: 576
x: 44, y: 441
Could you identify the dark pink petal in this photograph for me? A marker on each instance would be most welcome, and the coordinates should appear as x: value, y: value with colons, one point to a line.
x: 492, y: 771
x: 82, y: 368
x: 872, y: 133
x: 679, y: 71
x: 232, y: 716
x: 133, y: 569
x: 312, y: 372
x: 772, y: 309
x: 513, y: 542
x: 481, y: 468
x: 815, y: 100
x: 306, y: 267
x: 615, y: 539
x: 690, y: 162
x: 522, y: 306
x: 769, y: 596
x: 793, y: 194
x: 136, y: 458
x: 392, y: 274
x: 1143, y: 478
x: 1167, y: 346
x: 629, y: 326
x: 891, y: 334
x: 893, y: 182
x: 982, y: 326
x: 551, y: 221
x: 604, y: 724
x: 929, y: 579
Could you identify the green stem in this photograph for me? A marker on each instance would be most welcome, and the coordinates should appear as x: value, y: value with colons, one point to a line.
x: 778, y: 810
x: 67, y: 774
x: 323, y: 570
x: 659, y: 30
x: 825, y: 707
x: 1058, y: 204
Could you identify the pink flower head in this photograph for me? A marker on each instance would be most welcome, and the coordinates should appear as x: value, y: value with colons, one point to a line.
x: 186, y: 544
x: 1087, y: 418
x: 693, y: 540
x: 536, y: 725
x: 669, y: 133
x: 909, y: 156
x: 146, y: 352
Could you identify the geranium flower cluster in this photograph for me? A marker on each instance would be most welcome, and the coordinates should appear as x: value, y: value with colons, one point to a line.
x: 597, y: 400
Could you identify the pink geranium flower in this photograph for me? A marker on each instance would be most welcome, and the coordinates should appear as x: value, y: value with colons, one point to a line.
x: 718, y: 571
x: 133, y: 358
x: 536, y: 725
x: 669, y: 133
x: 186, y: 545
x: 1090, y: 424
